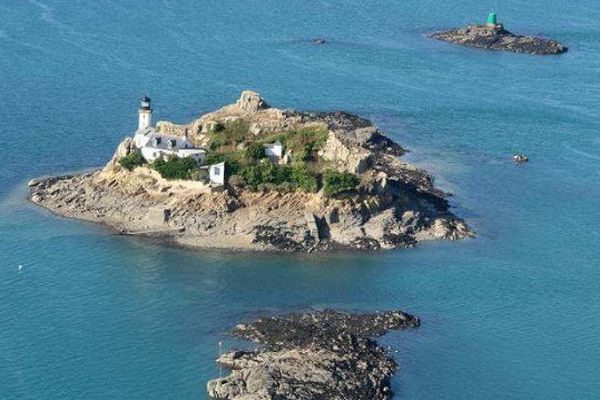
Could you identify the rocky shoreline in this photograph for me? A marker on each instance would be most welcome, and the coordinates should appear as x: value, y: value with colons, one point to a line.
x: 498, y: 38
x: 312, y: 356
x: 396, y: 205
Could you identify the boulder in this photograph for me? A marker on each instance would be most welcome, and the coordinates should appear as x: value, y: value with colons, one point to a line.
x: 251, y: 102
x: 123, y: 149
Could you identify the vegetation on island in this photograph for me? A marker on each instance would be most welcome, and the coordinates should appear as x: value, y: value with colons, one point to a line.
x: 132, y: 160
x: 243, y: 153
x: 176, y: 167
x: 335, y: 182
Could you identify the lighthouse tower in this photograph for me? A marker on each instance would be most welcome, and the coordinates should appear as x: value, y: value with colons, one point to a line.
x: 145, y: 114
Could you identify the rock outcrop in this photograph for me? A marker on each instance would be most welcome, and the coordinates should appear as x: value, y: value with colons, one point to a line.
x: 312, y: 356
x: 498, y: 38
x: 395, y: 206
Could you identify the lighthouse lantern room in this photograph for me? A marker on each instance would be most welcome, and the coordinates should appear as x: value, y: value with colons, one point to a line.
x: 145, y: 113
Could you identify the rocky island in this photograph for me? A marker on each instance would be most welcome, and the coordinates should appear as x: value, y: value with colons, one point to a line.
x: 494, y: 36
x: 309, y: 356
x: 251, y: 176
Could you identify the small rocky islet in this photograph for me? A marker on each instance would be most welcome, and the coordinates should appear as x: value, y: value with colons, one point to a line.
x: 259, y: 178
x: 493, y: 36
x: 322, y: 355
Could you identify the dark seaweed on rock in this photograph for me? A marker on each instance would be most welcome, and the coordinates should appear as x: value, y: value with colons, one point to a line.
x: 311, y: 356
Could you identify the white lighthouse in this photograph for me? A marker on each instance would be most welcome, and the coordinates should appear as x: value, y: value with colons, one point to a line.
x: 145, y: 114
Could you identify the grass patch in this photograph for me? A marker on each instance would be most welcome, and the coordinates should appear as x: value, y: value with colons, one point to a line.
x: 335, y: 182
x: 228, y: 134
x: 305, y: 143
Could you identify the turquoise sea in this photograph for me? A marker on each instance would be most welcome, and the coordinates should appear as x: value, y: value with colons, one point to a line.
x: 512, y: 314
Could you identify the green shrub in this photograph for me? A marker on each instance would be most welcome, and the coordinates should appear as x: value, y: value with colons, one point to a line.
x: 252, y: 175
x: 232, y: 167
x: 175, y: 167
x: 335, y: 182
x: 265, y: 172
x: 132, y: 160
x: 213, y: 158
x: 217, y: 141
x: 304, y: 178
x: 255, y: 151
x: 281, y: 174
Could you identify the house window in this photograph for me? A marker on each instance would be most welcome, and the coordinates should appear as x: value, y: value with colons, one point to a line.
x: 217, y: 171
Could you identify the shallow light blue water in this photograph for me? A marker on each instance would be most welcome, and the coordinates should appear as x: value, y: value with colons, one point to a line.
x: 512, y: 314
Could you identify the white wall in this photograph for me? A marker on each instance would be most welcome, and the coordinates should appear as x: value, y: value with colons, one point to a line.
x: 140, y: 140
x: 217, y: 173
x: 274, y: 151
x: 150, y: 154
x: 196, y: 154
x: 145, y: 119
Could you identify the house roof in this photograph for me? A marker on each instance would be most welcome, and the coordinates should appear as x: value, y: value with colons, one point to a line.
x: 164, y: 144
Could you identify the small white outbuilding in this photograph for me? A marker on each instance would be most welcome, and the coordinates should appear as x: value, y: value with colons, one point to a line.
x: 216, y: 174
x: 274, y: 150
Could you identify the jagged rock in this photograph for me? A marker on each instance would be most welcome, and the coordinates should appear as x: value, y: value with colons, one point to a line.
x: 251, y: 101
x: 123, y: 149
x: 169, y: 128
x: 312, y: 356
x: 347, y: 158
x: 34, y: 182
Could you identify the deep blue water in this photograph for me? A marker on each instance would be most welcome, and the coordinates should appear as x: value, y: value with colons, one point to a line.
x: 513, y: 313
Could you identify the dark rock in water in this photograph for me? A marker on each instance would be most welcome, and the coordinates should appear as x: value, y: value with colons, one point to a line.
x: 520, y: 158
x: 498, y: 38
x: 318, y: 355
x: 318, y: 40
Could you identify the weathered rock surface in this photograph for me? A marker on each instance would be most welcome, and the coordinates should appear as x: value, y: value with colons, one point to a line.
x: 396, y: 206
x: 312, y: 356
x: 498, y: 38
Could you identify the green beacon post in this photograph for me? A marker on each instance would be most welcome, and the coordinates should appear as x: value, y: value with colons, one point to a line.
x: 491, y: 19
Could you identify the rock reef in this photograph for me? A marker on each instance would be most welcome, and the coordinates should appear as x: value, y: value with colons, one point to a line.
x: 312, y: 356
x: 498, y: 38
x: 396, y: 205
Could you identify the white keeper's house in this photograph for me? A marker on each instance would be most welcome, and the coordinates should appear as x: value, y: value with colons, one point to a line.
x: 155, y: 145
